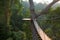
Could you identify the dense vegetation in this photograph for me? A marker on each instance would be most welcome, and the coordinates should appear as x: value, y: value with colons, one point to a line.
x: 50, y: 23
x: 12, y: 27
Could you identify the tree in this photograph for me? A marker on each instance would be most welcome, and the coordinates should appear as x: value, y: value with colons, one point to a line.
x: 4, y: 20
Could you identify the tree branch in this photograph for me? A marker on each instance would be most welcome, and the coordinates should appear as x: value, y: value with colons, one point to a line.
x: 44, y: 11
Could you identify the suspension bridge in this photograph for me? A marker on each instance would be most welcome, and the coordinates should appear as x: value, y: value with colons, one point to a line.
x: 37, y: 32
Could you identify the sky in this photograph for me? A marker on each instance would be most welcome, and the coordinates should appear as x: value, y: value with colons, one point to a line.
x: 41, y: 1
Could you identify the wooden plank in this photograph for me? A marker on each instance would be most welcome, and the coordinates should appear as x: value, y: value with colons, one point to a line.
x: 41, y: 32
x: 28, y: 19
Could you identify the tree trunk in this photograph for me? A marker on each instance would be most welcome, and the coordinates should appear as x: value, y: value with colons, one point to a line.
x: 7, y: 12
x: 33, y: 14
x: 7, y: 17
x: 32, y: 10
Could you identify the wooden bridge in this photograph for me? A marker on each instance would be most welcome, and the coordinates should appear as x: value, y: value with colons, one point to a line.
x: 37, y: 31
x: 35, y: 28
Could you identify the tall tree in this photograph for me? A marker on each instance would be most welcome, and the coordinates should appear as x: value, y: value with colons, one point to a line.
x: 5, y: 11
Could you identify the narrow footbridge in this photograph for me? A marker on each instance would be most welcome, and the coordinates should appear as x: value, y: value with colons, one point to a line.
x: 37, y: 31
x: 35, y: 28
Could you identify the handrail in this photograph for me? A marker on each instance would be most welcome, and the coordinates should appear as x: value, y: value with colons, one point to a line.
x: 40, y: 31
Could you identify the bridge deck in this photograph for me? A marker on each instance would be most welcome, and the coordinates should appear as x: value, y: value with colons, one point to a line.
x: 40, y: 31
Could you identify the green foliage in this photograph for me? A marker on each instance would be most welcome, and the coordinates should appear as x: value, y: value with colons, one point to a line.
x: 27, y: 30
x: 6, y: 33
x: 18, y: 24
x: 51, y: 23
